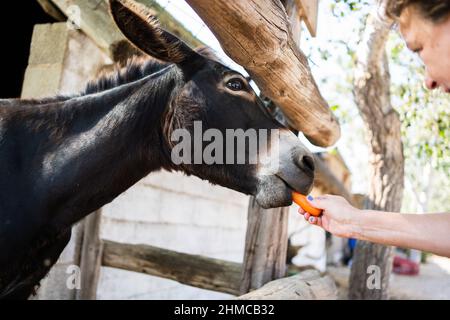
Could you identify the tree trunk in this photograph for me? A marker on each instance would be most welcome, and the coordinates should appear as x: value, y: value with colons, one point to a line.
x: 372, y: 96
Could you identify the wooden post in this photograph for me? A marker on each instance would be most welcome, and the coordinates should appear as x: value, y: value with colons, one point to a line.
x: 61, y: 62
x: 308, y: 11
x: 292, y: 12
x: 267, y: 239
x: 265, y: 246
x: 90, y: 257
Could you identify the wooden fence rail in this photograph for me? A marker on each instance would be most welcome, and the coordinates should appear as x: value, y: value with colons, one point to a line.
x: 194, y: 270
x: 212, y: 274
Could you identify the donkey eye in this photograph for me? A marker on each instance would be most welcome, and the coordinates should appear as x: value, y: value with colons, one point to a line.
x: 236, y: 84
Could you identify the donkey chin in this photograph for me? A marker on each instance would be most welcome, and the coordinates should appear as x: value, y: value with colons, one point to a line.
x: 276, y: 190
x: 273, y: 192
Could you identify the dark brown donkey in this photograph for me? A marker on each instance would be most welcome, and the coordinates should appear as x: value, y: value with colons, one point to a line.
x: 64, y: 157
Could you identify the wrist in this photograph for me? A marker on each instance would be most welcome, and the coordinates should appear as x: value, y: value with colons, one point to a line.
x: 356, y: 223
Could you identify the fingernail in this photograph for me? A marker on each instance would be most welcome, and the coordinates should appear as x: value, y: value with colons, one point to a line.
x: 311, y: 219
x: 310, y: 198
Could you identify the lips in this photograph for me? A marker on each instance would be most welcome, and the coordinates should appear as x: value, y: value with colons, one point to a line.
x: 274, y: 191
x: 303, y: 186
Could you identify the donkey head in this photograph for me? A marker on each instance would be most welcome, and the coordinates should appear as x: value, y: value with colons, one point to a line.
x: 222, y: 117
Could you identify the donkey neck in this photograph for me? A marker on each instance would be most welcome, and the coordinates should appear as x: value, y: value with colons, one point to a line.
x: 101, y: 144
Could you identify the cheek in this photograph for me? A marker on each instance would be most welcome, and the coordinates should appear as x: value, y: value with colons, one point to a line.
x: 428, y: 57
x: 444, y: 70
x: 437, y: 59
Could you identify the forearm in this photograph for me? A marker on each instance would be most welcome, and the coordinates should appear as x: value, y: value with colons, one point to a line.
x: 427, y: 232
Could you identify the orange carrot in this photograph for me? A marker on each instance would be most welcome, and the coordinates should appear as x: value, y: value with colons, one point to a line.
x: 303, y: 202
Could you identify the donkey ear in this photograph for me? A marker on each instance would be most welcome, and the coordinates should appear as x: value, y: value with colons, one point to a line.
x: 140, y: 27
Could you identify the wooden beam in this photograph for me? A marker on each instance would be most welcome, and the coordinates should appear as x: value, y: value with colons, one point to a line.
x: 193, y: 270
x: 295, y: 20
x: 211, y: 274
x: 328, y: 182
x: 97, y: 23
x: 307, y: 285
x: 52, y: 10
x: 256, y: 34
x: 308, y: 11
x: 99, y: 26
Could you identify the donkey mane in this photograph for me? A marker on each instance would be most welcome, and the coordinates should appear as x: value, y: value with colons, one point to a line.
x: 112, y: 76
x: 135, y: 68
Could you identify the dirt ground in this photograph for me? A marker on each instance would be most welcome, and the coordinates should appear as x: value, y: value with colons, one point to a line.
x: 432, y: 283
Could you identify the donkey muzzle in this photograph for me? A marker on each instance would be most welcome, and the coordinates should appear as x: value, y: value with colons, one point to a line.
x: 292, y: 169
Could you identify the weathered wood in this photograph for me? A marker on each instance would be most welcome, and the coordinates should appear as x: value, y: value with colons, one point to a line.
x: 294, y: 19
x: 265, y: 246
x: 90, y: 257
x: 97, y: 23
x: 52, y: 10
x: 328, y: 182
x: 307, y: 285
x: 256, y: 34
x: 309, y: 10
x: 193, y: 270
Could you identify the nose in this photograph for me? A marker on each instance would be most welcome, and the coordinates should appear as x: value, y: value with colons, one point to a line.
x: 430, y: 83
x: 304, y: 161
x: 307, y: 163
x: 298, y: 173
x: 296, y: 163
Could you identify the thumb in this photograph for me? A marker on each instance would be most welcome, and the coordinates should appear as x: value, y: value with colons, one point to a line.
x: 319, y: 202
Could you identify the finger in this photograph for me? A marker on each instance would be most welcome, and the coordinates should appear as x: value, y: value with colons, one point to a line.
x: 301, y: 211
x: 312, y: 220
x: 320, y: 202
x: 307, y: 216
x: 319, y: 222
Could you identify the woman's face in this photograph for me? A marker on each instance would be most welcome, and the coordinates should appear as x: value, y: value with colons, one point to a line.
x: 432, y: 42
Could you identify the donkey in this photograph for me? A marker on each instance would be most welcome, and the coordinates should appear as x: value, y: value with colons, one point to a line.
x: 65, y: 157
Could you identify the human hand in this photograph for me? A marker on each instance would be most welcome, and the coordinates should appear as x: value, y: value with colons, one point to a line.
x: 339, y: 217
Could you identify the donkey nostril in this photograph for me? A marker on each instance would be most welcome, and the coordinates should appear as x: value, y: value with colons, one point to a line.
x: 308, y: 162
